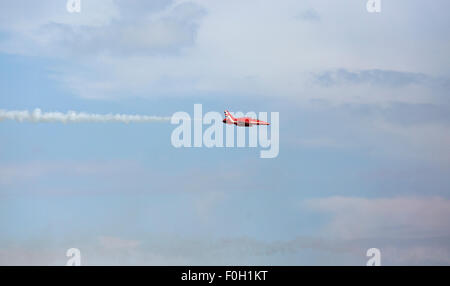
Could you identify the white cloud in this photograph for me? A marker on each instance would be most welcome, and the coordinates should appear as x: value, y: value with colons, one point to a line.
x: 254, y: 47
x: 23, y: 16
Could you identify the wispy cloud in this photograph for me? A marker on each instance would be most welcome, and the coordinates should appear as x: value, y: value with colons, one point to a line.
x: 376, y: 77
x: 402, y: 217
x: 309, y: 15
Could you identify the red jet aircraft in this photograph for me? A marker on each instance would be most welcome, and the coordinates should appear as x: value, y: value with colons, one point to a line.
x: 242, y: 121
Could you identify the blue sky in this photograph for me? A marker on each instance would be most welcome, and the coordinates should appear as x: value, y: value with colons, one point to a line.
x: 364, y: 133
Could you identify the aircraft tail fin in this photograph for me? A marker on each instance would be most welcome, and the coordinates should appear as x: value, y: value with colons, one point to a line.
x: 229, y: 116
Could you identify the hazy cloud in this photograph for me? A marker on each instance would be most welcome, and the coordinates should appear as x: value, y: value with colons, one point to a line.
x: 403, y: 217
x: 374, y: 77
x: 309, y: 15
x: 111, y: 242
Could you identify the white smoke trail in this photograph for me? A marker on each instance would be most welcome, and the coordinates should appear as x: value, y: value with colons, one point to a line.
x: 74, y: 117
